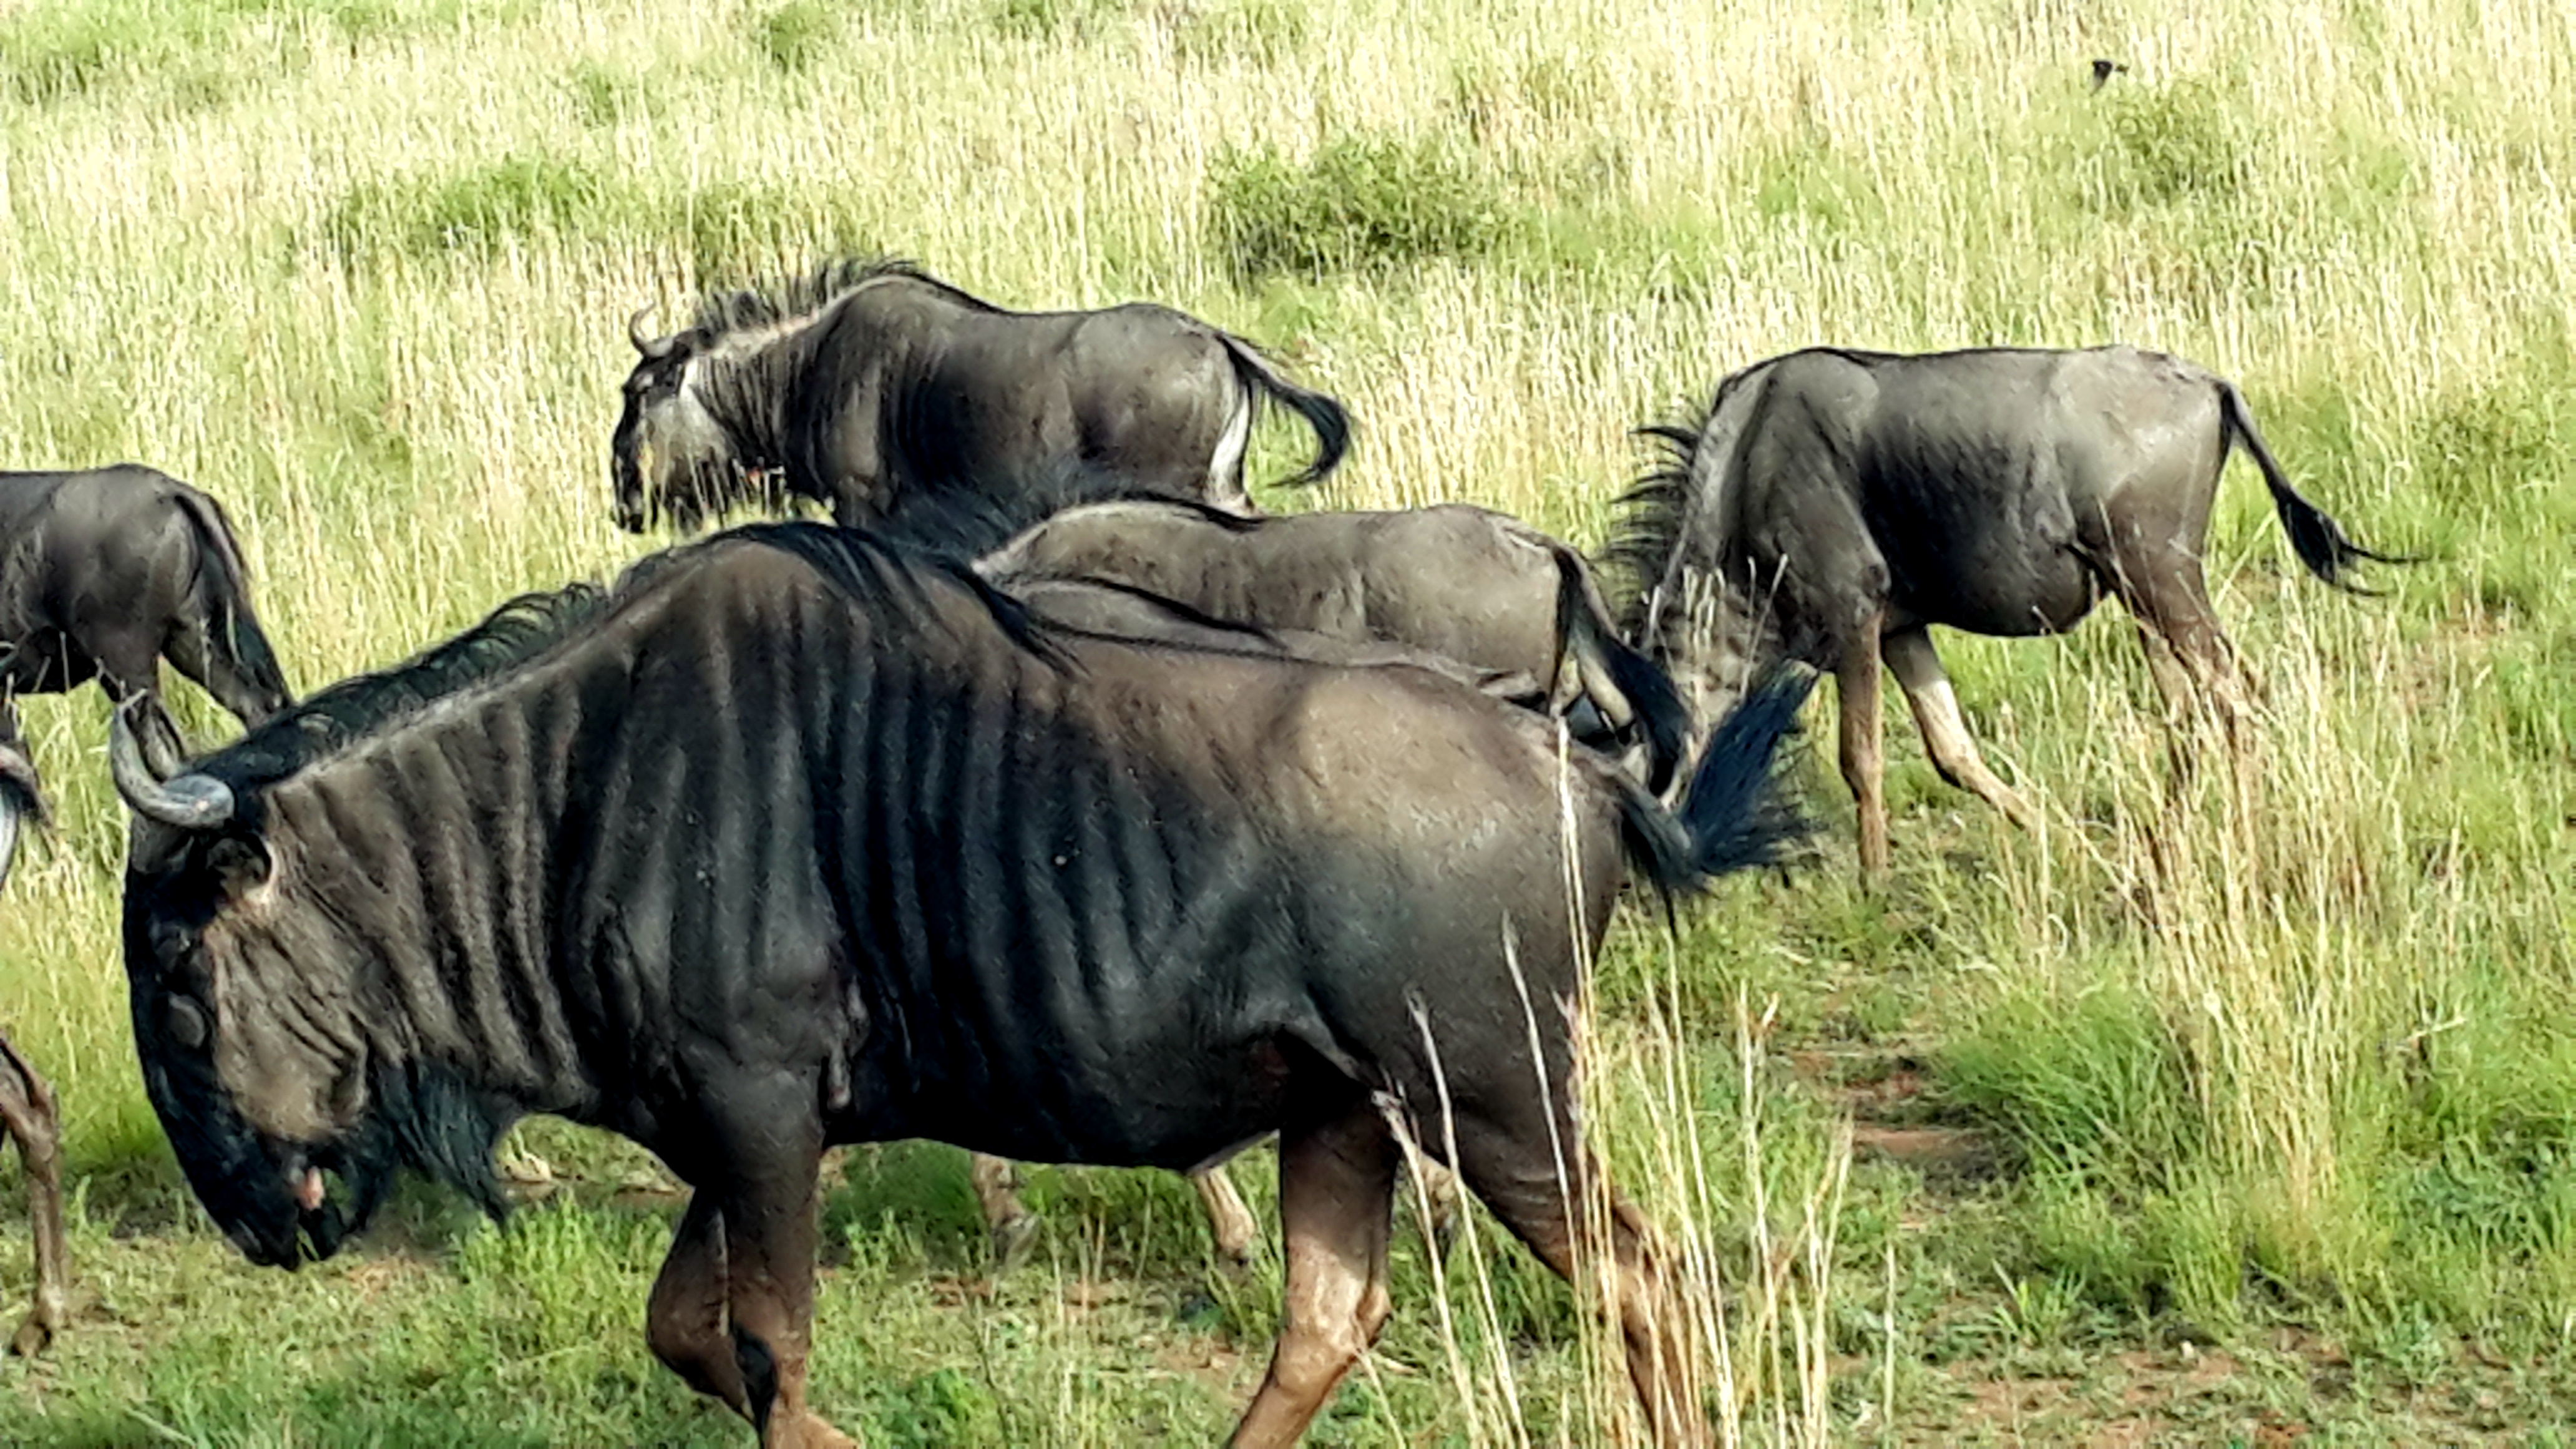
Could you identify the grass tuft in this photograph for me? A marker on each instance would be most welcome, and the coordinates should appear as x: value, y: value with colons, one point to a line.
x: 1359, y: 202
x: 796, y: 35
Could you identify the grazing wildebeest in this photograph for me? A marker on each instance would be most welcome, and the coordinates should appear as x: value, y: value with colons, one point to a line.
x: 1833, y: 505
x: 105, y: 572
x: 794, y: 839
x: 26, y: 1102
x: 1476, y: 586
x: 872, y: 388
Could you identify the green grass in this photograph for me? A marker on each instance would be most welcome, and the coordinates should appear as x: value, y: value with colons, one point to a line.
x: 2278, y: 1093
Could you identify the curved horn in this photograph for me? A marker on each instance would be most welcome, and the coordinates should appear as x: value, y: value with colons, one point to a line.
x: 190, y: 802
x: 653, y: 350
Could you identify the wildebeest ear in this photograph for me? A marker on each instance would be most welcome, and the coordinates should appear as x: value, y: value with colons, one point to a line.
x: 241, y: 862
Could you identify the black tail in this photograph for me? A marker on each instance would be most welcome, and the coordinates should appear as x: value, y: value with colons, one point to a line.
x: 241, y: 636
x: 2319, y: 541
x: 1325, y: 415
x: 1737, y: 813
x: 1606, y: 664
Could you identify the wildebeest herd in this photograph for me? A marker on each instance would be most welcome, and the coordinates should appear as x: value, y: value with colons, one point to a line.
x: 1053, y: 802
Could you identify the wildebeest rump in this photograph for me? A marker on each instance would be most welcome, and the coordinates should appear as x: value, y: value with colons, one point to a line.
x: 105, y: 572
x: 791, y: 839
x: 1833, y: 505
x: 1477, y: 586
x: 873, y: 388
x: 26, y: 1102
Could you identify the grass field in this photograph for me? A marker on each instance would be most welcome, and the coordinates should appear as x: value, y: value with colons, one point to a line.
x: 2191, y: 1118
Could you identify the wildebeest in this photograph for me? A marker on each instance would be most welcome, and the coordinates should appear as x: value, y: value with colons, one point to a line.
x: 872, y: 388
x: 105, y: 572
x: 26, y: 1102
x: 1467, y: 583
x: 1832, y: 505
x: 792, y: 839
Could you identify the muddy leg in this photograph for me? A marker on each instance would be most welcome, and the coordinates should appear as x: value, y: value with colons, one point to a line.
x: 1006, y: 1218
x: 770, y: 1226
x: 1530, y: 1199
x: 2192, y: 659
x: 684, y: 1323
x: 2195, y: 668
x: 1440, y: 1206
x: 27, y: 1112
x: 1229, y: 1221
x: 1856, y: 681
x: 1945, y: 734
x: 752, y: 1229
x: 1336, y: 1207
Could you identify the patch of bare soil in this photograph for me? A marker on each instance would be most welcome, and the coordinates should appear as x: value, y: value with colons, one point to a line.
x: 1894, y: 1116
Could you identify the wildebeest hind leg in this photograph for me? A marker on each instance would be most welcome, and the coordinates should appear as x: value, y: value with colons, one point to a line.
x: 685, y: 1321
x: 1945, y: 734
x: 2194, y: 666
x: 27, y: 1112
x: 1336, y: 1208
x: 1006, y: 1218
x: 1229, y: 1221
x: 1518, y: 1179
x: 1856, y: 682
x: 2191, y: 657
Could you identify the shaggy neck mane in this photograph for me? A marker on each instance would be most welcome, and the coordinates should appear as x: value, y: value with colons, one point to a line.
x: 732, y: 316
x: 751, y: 346
x: 1652, y: 514
x: 333, y: 719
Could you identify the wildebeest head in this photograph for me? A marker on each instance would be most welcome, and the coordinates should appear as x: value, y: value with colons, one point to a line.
x: 669, y: 455
x: 259, y: 1052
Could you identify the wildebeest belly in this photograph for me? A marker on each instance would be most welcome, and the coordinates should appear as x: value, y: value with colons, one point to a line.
x: 1989, y: 544
x: 1165, y: 1068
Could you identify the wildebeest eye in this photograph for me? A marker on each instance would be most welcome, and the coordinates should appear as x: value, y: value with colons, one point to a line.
x: 188, y: 1023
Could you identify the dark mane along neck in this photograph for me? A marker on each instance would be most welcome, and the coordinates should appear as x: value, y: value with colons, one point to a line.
x: 1650, y: 516
x: 354, y: 709
x: 725, y: 315
x: 747, y: 387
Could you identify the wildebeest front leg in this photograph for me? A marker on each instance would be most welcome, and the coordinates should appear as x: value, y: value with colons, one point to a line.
x: 770, y: 1224
x: 27, y: 1112
x: 685, y: 1321
x: 1945, y: 734
x: 1856, y: 682
x: 1336, y: 1206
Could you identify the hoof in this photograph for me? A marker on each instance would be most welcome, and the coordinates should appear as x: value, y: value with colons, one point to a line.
x: 809, y: 1432
x: 1011, y: 1239
x: 32, y: 1338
